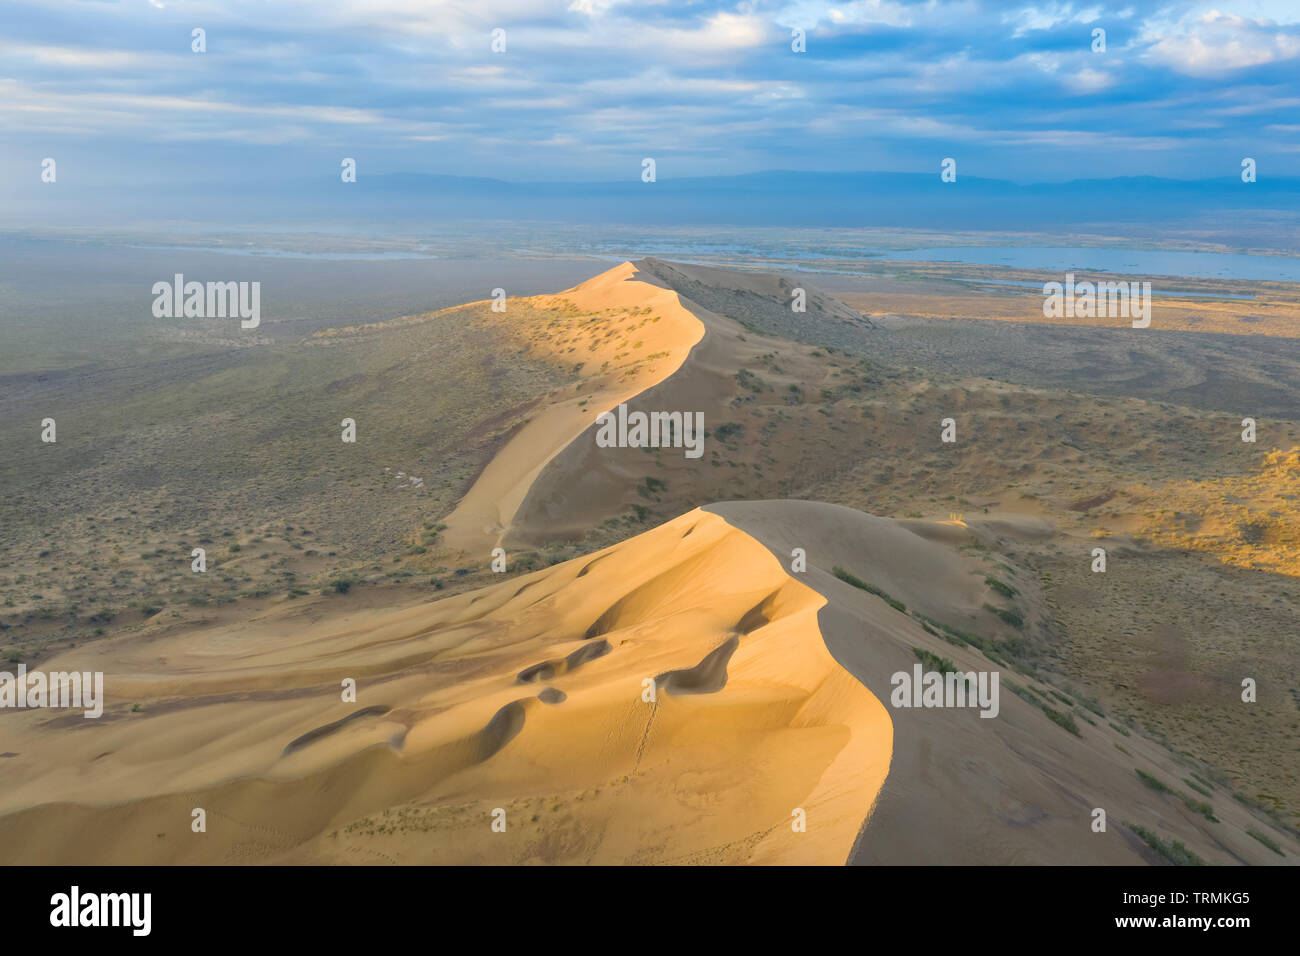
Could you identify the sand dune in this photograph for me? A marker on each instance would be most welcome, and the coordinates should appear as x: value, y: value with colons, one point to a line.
x: 552, y: 481
x: 525, y: 696
x: 585, y: 484
x: 964, y: 789
x: 752, y: 295
x: 526, y: 700
x: 617, y: 297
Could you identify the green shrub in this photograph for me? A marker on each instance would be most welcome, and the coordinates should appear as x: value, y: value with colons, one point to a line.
x: 1065, y: 720
x: 1010, y: 617
x: 1155, y: 783
x: 863, y: 585
x: 1172, y: 850
x: 1092, y: 704
x: 934, y: 662
x: 1262, y: 838
x: 1022, y: 691
x: 1199, y: 806
x: 1005, y: 590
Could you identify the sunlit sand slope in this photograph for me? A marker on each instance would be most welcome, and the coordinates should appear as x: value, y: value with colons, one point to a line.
x: 525, y: 697
x: 640, y: 339
x: 603, y: 313
x: 585, y: 484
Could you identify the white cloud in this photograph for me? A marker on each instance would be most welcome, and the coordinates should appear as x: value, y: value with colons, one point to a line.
x: 77, y: 57
x: 1219, y: 43
x: 1089, y: 81
x: 1047, y: 16
x: 591, y: 8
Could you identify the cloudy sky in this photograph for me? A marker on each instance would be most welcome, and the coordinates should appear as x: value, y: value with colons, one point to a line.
x: 587, y: 88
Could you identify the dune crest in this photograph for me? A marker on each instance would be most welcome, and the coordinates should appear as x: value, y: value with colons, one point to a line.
x: 962, y: 789
x: 744, y: 385
x: 668, y: 338
x: 677, y: 697
x: 499, y: 698
x: 619, y: 299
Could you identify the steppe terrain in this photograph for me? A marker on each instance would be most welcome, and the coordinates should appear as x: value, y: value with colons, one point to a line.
x: 525, y: 695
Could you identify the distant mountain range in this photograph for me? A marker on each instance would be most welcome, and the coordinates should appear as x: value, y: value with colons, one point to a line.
x: 829, y: 199
x: 905, y: 200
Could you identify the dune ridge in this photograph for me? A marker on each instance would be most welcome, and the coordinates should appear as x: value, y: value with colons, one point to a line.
x: 552, y: 481
x: 753, y: 718
x: 584, y: 484
x: 482, y: 517
x: 1017, y: 789
x: 529, y: 696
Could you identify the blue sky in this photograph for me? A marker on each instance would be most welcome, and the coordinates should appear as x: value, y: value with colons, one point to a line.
x: 587, y: 88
